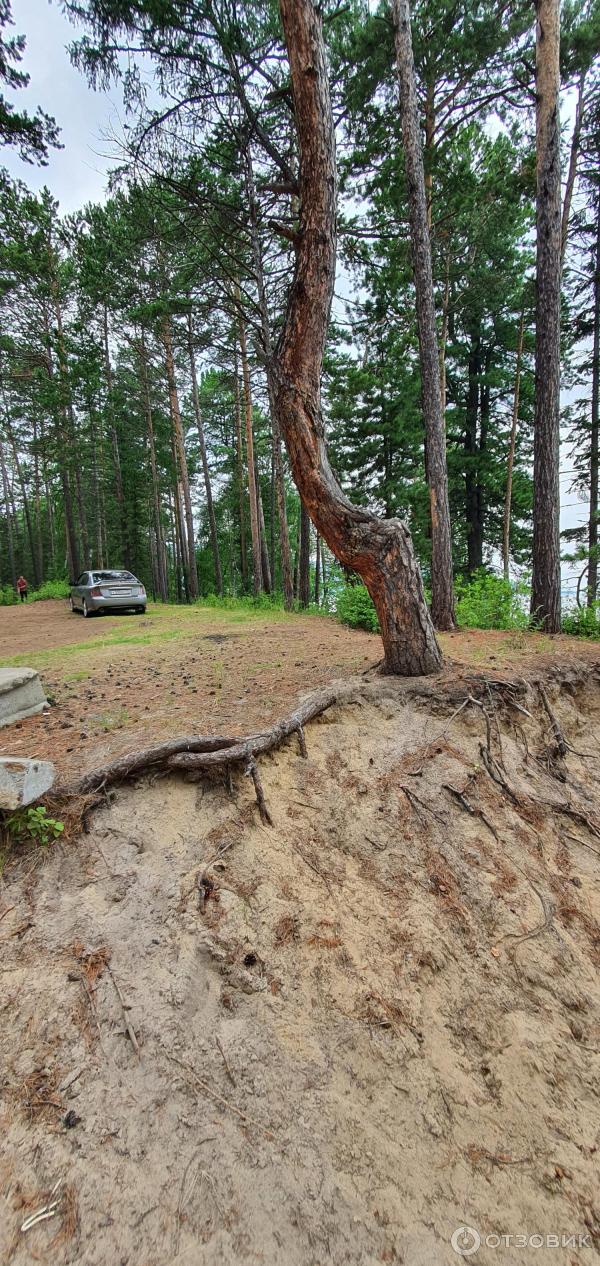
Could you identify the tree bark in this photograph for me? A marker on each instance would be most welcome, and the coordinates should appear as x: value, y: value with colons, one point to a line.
x: 545, y: 592
x: 572, y: 172
x: 442, y: 591
x: 188, y: 547
x: 381, y: 551
x: 511, y: 451
x: 592, y: 585
x: 210, y: 509
x: 254, y: 524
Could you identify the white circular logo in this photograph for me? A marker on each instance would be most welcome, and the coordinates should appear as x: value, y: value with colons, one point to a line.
x: 466, y: 1240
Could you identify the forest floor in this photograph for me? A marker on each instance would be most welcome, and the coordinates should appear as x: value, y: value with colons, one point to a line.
x: 340, y: 1038
x: 123, y: 681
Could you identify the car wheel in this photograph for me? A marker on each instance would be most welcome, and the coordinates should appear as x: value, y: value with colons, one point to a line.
x: 84, y: 609
x: 140, y: 610
x: 71, y: 606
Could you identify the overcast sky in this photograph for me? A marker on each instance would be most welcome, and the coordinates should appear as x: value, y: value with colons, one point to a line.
x: 78, y: 173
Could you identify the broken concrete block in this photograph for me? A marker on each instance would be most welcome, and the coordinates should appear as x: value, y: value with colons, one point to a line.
x: 21, y: 694
x: 22, y: 781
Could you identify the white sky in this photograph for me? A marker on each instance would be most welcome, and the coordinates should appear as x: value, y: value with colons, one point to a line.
x: 78, y: 173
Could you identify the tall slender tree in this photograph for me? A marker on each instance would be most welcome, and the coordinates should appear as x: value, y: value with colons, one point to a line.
x: 442, y: 589
x: 545, y: 593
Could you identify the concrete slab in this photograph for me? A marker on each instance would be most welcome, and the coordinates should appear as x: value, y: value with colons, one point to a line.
x: 22, y: 781
x: 21, y: 694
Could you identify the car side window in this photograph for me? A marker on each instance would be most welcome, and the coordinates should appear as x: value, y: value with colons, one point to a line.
x: 82, y: 579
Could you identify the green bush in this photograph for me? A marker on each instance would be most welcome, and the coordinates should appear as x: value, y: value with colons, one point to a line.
x: 34, y: 825
x: 50, y: 589
x: 7, y: 596
x: 245, y: 602
x: 582, y: 621
x: 489, y: 602
x: 355, y: 607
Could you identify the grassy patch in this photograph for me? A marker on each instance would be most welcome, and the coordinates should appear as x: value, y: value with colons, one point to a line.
x: 163, y: 624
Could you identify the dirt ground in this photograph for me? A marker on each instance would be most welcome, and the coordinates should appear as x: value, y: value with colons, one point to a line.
x: 120, y: 682
x: 335, y: 1040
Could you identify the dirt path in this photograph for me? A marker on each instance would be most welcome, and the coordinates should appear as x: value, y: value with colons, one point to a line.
x: 343, y: 1037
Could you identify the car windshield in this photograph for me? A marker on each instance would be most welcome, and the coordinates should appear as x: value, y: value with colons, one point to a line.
x: 112, y: 575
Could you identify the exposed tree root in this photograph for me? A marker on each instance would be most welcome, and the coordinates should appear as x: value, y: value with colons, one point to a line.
x: 201, y: 754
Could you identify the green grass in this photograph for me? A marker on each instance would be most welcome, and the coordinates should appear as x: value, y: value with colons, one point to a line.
x: 164, y: 623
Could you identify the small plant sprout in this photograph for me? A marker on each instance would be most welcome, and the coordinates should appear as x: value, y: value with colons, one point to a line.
x: 34, y: 824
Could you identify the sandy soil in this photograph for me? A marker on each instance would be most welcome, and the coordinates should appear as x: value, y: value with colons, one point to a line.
x: 349, y: 1034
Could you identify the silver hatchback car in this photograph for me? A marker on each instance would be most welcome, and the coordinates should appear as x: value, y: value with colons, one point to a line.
x: 98, y: 591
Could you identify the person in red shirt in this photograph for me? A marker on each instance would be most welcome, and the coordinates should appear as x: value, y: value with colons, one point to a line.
x: 22, y: 588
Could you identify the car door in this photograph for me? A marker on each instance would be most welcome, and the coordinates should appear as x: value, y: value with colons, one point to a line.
x: 80, y: 588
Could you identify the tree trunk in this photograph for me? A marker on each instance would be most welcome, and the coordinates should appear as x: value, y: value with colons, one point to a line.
x: 47, y: 495
x: 240, y: 471
x: 317, y: 569
x: 511, y: 451
x: 592, y: 586
x: 254, y: 524
x: 9, y: 523
x: 304, y: 560
x: 188, y: 547
x: 162, y: 583
x: 572, y: 172
x: 471, y: 447
x: 37, y: 579
x: 96, y: 490
x: 37, y: 509
x: 119, y: 490
x: 278, y: 475
x: 210, y: 509
x: 442, y: 592
x: 545, y: 591
x: 61, y: 430
x: 444, y: 338
x: 381, y: 551
x: 264, y: 548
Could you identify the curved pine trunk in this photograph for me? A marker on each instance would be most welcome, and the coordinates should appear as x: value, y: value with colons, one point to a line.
x: 381, y: 551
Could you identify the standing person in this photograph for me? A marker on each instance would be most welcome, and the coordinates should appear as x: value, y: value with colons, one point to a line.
x: 22, y: 588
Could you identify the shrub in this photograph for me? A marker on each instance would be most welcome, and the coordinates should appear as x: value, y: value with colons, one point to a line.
x: 489, y: 602
x: 7, y: 596
x: 245, y: 602
x: 355, y: 607
x: 34, y: 825
x: 50, y: 589
x: 582, y: 621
